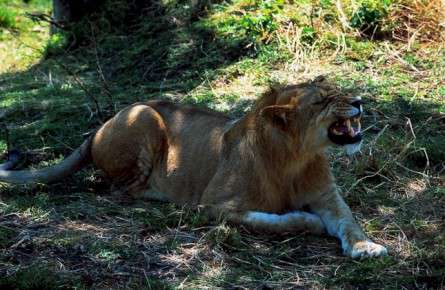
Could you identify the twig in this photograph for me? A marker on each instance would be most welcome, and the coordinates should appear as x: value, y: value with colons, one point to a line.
x: 76, y: 79
x: 86, y: 91
x: 312, y: 15
x: 42, y: 17
x: 377, y: 173
x: 8, y: 144
x: 342, y: 16
x: 106, y: 87
x: 423, y: 149
x: 379, y: 134
x: 369, y: 176
x: 410, y: 125
x: 412, y: 171
x: 395, y: 55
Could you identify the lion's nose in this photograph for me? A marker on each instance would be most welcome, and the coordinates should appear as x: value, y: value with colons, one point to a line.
x: 357, y: 104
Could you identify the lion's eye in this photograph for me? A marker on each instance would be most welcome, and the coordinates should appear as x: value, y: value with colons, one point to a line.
x: 318, y: 103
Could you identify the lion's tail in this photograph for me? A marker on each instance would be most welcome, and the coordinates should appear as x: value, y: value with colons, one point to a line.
x: 78, y: 159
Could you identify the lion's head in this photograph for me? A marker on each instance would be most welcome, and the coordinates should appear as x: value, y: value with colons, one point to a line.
x: 313, y: 116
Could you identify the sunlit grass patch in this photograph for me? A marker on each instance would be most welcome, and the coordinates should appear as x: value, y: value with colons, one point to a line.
x: 36, y: 208
x: 108, y: 256
x: 7, y: 17
x: 256, y: 24
x: 22, y: 40
x: 56, y: 44
x: 3, y: 146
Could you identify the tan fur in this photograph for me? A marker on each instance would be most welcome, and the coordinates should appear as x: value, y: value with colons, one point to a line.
x: 270, y: 161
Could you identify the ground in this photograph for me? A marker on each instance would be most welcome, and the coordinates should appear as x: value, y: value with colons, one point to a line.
x: 55, y: 90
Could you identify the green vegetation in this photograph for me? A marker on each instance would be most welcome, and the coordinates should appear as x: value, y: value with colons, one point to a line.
x: 39, y: 277
x: 55, y: 90
x: 7, y: 18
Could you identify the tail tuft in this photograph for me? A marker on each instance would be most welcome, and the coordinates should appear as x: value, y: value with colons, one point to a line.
x: 12, y: 161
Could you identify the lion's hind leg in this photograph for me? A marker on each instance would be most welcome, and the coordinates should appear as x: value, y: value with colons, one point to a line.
x: 135, y: 181
x: 129, y: 146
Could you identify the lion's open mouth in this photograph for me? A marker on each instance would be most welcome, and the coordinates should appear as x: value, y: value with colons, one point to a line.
x: 345, y: 131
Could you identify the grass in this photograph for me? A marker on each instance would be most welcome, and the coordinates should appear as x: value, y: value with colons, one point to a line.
x: 77, y: 235
x: 38, y: 277
x: 7, y: 18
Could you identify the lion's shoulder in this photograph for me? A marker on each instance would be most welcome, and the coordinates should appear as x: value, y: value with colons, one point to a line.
x: 167, y: 108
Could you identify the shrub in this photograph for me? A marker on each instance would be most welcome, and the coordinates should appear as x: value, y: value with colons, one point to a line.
x: 255, y: 24
x: 369, y: 18
x: 7, y: 18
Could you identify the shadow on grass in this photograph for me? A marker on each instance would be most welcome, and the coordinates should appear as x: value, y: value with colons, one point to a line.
x: 165, y: 52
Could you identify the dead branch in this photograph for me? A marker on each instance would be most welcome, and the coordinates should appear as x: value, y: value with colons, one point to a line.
x: 105, y: 86
x: 42, y: 17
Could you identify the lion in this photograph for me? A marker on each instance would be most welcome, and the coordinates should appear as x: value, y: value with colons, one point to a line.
x: 267, y: 170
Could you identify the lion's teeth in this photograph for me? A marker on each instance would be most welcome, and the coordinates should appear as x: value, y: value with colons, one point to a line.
x: 348, y: 124
x: 356, y: 120
x: 350, y: 129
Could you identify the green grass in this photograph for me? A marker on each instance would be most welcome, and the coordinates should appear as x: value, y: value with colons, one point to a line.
x: 7, y: 18
x: 38, y: 276
x: 20, y: 33
x: 6, y: 236
x: 77, y: 235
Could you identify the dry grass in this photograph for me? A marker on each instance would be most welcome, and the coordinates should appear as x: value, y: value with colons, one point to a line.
x: 418, y: 20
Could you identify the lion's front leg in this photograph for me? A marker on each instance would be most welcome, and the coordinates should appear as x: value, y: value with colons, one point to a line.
x: 290, y: 222
x: 294, y: 221
x: 226, y: 197
x: 339, y: 222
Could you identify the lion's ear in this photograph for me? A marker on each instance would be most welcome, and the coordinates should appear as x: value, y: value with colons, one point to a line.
x: 279, y: 116
x: 319, y: 79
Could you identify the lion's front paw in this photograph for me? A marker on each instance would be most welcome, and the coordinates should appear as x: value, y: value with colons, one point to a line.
x: 364, y: 249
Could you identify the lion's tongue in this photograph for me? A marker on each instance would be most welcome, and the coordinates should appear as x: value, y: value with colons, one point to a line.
x: 344, y: 127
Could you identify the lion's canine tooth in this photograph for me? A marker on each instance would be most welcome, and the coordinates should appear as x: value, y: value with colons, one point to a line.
x: 350, y: 129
